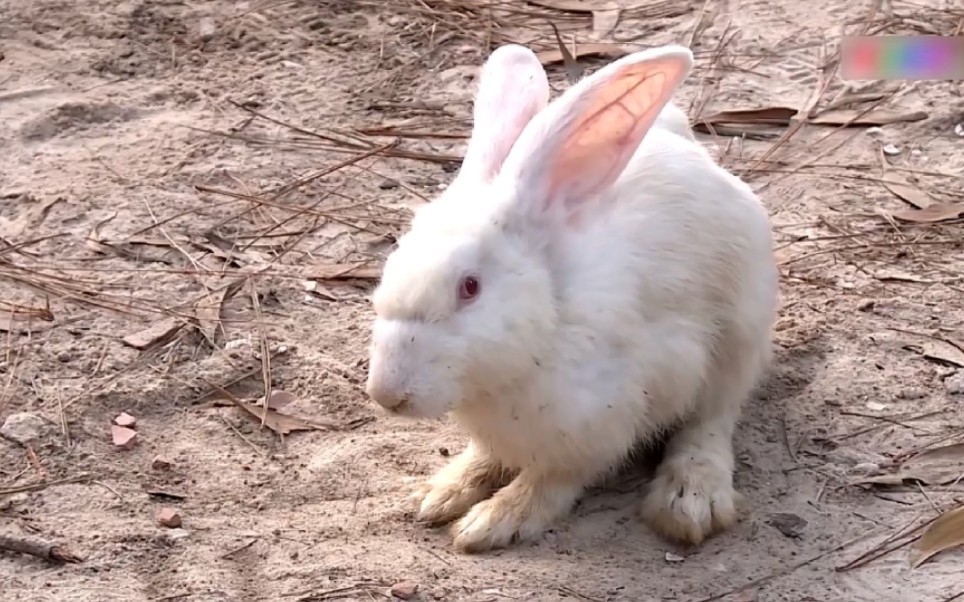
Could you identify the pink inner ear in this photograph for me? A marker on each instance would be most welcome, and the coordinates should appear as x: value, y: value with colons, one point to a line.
x: 612, y: 122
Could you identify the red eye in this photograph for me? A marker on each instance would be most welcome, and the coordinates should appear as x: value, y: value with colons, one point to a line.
x: 468, y: 288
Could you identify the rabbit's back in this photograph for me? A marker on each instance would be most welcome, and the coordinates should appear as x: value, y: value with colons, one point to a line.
x: 681, y: 266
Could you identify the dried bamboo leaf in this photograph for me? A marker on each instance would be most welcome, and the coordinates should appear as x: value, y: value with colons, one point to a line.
x: 614, y: 51
x: 900, y: 186
x: 344, y: 271
x: 938, y: 212
x: 858, y: 117
x: 759, y: 116
x: 282, y: 424
x: 210, y: 308
x: 938, y: 466
x: 573, y: 69
x: 943, y: 534
x: 155, y: 335
x: 29, y: 218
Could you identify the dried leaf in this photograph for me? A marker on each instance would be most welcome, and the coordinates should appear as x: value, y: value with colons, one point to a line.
x: 20, y: 319
x: 762, y: 116
x: 876, y: 117
x: 156, y: 335
x: 943, y: 352
x: 900, y: 186
x: 278, y: 422
x: 938, y: 466
x: 574, y: 6
x: 605, y: 13
x: 210, y: 308
x: 344, y: 271
x: 938, y: 212
x: 28, y: 218
x: 573, y: 69
x: 614, y: 51
x: 605, y: 20
x: 943, y: 534
x: 95, y: 242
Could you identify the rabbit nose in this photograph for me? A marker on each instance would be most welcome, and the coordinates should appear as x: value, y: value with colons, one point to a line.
x: 390, y: 396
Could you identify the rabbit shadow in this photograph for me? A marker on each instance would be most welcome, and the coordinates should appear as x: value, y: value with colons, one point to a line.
x: 764, y: 418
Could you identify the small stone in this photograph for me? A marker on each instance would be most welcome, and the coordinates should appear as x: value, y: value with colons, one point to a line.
x: 23, y: 427
x: 387, y: 184
x: 64, y: 357
x: 123, y: 437
x: 444, y: 452
x: 168, y: 517
x: 404, y: 590
x: 206, y: 28
x: 891, y: 150
x: 671, y: 557
x: 161, y: 463
x: 876, y: 406
x: 874, y: 131
x: 866, y: 469
x: 911, y: 394
x: 176, y: 534
x: 955, y: 384
x: 789, y: 524
x: 126, y: 420
x: 959, y: 129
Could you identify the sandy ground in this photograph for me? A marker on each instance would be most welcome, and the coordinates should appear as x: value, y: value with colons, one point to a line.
x: 137, y: 186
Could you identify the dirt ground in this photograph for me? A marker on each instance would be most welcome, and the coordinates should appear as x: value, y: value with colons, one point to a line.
x: 179, y: 180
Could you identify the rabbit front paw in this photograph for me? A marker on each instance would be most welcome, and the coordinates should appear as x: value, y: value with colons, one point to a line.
x: 443, y: 502
x: 521, y: 511
x: 690, y: 500
x: 469, y: 478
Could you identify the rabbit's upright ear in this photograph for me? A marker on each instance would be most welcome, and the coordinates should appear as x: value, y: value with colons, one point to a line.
x: 577, y: 147
x: 513, y: 88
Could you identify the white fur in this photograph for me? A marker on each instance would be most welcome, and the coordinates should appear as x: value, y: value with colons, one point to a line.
x: 612, y: 309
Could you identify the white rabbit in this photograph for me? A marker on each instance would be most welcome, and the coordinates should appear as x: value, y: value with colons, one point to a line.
x: 588, y: 281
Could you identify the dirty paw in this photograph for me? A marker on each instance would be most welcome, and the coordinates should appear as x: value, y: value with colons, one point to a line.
x: 488, y: 525
x: 690, y: 504
x: 444, y: 502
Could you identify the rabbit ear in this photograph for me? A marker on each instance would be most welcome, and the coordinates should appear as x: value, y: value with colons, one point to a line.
x: 513, y: 88
x: 577, y: 147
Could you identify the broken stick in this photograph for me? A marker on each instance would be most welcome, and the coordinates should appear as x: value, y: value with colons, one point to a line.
x: 38, y: 548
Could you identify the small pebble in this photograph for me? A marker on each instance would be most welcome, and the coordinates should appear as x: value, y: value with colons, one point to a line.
x: 911, y: 394
x: 789, y: 524
x: 64, y: 357
x: 955, y: 384
x: 444, y: 452
x: 126, y: 420
x: 387, y: 184
x: 22, y: 427
x: 123, y: 437
x: 168, y: 517
x: 671, y: 557
x: 176, y: 534
x: 161, y: 463
x: 875, y: 131
x: 404, y: 590
x: 959, y: 129
x: 866, y: 468
x: 891, y: 150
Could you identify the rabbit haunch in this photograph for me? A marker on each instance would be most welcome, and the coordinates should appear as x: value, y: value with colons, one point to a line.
x: 625, y: 285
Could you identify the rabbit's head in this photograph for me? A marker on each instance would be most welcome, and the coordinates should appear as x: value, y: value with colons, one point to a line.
x: 468, y: 301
